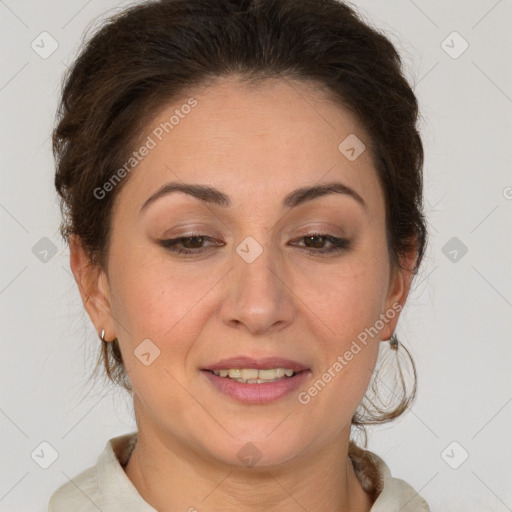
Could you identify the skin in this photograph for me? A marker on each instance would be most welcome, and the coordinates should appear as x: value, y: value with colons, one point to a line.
x: 255, y: 144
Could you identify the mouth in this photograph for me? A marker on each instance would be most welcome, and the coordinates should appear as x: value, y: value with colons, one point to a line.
x: 256, y: 381
x: 255, y: 376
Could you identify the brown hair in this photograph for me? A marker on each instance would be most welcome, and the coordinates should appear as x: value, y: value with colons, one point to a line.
x: 148, y: 54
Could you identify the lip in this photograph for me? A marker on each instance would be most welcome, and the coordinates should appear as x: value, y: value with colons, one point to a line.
x: 263, y: 393
x: 263, y: 363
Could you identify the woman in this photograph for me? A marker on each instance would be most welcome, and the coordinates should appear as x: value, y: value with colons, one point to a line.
x: 241, y: 186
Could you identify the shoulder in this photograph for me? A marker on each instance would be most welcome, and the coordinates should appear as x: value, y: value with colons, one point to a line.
x: 389, y: 493
x: 80, y: 494
x: 104, y: 486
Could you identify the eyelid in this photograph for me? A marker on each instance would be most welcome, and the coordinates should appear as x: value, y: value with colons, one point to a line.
x: 176, y: 232
x: 318, y: 228
x: 338, y: 244
x: 324, y: 228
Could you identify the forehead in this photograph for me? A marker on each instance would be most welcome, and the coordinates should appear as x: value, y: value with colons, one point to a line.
x: 253, y: 142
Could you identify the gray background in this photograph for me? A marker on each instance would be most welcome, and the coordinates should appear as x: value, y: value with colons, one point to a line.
x: 457, y: 322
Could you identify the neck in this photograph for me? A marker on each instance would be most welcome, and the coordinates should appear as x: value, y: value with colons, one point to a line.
x: 169, y: 476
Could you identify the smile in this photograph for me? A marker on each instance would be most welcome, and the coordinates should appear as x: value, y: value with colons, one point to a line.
x: 255, y: 376
x: 256, y: 390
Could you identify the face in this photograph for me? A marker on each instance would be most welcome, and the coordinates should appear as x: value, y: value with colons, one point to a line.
x: 258, y: 277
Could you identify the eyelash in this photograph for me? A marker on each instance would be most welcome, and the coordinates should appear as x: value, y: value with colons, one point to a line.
x: 339, y: 244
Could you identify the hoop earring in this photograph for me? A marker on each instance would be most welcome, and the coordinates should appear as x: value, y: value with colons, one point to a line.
x: 102, y: 336
x: 393, y: 342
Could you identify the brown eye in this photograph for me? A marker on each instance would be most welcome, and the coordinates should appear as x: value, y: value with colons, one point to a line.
x: 315, y: 243
x: 192, y: 244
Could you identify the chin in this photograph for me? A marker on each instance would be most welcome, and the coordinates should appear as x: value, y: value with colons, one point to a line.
x: 258, y: 450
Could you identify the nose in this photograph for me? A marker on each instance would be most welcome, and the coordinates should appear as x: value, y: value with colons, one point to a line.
x: 257, y: 296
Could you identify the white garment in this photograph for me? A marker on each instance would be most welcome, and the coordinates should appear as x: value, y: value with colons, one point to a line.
x: 106, y: 486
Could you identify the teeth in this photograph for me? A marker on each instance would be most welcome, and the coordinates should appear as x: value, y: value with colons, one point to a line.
x: 247, y: 374
x: 254, y: 376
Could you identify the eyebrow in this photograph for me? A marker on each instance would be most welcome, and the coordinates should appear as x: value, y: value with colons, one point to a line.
x: 214, y: 196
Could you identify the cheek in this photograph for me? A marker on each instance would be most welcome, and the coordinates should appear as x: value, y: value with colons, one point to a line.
x: 349, y: 302
x: 148, y: 294
x: 161, y: 302
x: 348, y: 345
x: 151, y: 304
x: 349, y: 297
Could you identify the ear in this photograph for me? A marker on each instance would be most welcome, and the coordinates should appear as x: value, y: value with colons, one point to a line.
x: 94, y: 288
x: 398, y: 290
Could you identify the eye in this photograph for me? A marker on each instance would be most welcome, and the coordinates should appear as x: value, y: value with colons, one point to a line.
x: 192, y: 244
x: 319, y: 239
